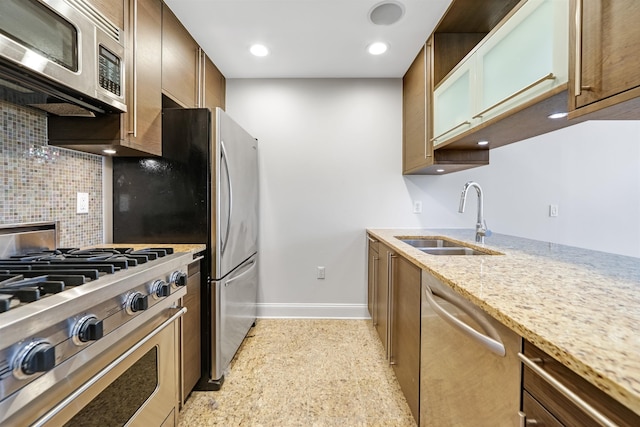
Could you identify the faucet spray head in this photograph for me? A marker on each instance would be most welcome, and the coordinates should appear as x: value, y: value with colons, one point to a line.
x: 463, y: 200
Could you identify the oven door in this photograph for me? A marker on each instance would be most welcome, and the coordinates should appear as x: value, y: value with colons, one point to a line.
x: 137, y: 388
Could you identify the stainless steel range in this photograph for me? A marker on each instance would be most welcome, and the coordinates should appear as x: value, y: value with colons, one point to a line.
x: 87, y: 337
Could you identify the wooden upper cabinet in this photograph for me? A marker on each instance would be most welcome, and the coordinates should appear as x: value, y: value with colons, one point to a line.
x: 418, y: 154
x: 137, y: 132
x: 416, y: 148
x: 179, y: 61
x: 604, y: 60
x: 112, y: 9
x: 213, y: 85
x: 144, y: 101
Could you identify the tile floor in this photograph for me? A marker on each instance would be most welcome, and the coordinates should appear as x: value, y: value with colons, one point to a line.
x: 303, y: 372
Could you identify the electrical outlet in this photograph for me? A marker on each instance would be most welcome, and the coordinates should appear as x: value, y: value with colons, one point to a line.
x: 553, y: 210
x: 417, y: 207
x: 83, y: 203
x: 320, y: 272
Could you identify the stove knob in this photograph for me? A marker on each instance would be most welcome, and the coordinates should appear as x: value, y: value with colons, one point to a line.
x: 89, y: 328
x: 136, y: 302
x: 37, y: 356
x: 178, y: 278
x: 160, y: 289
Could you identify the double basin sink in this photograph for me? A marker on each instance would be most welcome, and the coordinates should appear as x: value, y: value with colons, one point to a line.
x: 440, y: 246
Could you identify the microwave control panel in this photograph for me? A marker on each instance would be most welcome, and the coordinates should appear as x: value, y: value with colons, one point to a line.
x: 110, y: 71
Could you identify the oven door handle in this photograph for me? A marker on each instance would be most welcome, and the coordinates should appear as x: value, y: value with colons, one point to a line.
x: 69, y: 399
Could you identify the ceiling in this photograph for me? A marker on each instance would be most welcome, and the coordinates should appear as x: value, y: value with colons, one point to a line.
x: 307, y: 38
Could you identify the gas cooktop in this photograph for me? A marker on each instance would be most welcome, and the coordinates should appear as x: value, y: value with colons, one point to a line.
x: 30, y: 276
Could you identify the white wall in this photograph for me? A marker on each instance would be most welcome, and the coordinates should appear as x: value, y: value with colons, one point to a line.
x: 330, y: 166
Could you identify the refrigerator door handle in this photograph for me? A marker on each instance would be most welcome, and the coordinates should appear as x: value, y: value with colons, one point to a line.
x: 250, y: 266
x: 226, y: 167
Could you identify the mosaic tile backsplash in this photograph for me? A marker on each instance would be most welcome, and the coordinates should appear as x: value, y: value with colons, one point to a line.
x: 40, y: 183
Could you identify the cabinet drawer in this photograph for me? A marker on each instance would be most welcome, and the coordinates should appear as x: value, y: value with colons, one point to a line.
x: 536, y: 413
x: 561, y: 407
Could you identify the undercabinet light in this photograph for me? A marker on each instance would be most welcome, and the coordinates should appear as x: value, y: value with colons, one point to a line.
x: 109, y: 151
x: 440, y: 170
x: 558, y: 115
x: 483, y: 142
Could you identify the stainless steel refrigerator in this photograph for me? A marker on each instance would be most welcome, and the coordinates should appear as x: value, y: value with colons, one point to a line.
x: 204, y: 189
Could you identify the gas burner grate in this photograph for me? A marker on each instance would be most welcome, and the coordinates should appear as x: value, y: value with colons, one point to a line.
x: 29, y: 276
x: 29, y: 288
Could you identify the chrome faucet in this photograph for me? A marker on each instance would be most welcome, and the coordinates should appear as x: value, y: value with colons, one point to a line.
x: 481, y: 224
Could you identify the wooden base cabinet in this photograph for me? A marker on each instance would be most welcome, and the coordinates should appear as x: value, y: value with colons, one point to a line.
x: 404, y: 329
x: 545, y: 404
x: 394, y: 304
x: 381, y: 295
x: 190, y: 332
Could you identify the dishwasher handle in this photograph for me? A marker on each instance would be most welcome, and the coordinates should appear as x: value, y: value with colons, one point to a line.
x: 491, y: 341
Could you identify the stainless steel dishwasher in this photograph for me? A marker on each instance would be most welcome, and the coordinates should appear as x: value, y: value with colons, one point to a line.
x: 469, y: 368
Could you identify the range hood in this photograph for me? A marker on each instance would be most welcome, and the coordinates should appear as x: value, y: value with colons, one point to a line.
x: 23, y: 88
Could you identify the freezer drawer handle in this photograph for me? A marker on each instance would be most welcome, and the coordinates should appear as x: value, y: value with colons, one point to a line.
x: 491, y: 341
x: 597, y: 416
x: 250, y: 266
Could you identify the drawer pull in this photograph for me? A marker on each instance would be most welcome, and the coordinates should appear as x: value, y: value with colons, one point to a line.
x: 597, y: 416
x: 525, y: 422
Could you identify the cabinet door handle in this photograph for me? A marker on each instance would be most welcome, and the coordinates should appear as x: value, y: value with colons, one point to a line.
x: 199, y: 78
x: 390, y: 258
x: 427, y: 151
x: 133, y: 117
x: 596, y: 415
x: 578, y: 47
x: 375, y: 291
x: 466, y: 122
x: 549, y: 76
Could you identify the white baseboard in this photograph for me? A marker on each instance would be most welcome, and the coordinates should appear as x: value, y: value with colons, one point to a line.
x: 313, y: 311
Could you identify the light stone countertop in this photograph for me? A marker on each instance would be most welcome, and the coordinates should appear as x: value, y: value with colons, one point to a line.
x: 580, y: 306
x: 194, y: 248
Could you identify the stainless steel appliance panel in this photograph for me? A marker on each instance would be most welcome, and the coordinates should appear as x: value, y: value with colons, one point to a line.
x: 138, y: 388
x: 61, y: 48
x: 236, y: 195
x: 236, y: 312
x: 469, y: 368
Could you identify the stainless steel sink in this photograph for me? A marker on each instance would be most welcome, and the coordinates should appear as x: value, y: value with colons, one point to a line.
x: 430, y: 243
x: 438, y: 246
x: 460, y: 250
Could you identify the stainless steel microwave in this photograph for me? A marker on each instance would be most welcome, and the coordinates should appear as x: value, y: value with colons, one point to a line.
x: 64, y: 49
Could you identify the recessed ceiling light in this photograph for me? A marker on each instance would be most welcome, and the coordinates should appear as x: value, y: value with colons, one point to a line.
x: 483, y: 142
x: 439, y: 170
x: 109, y: 151
x: 558, y: 115
x: 259, y: 50
x: 386, y: 13
x: 377, y: 48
